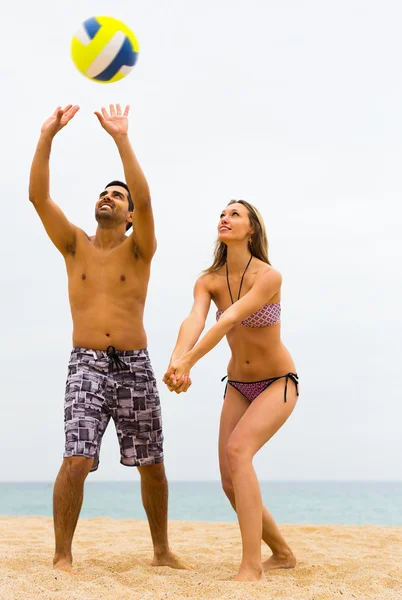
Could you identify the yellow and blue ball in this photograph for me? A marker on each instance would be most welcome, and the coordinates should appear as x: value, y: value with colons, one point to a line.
x: 104, y: 49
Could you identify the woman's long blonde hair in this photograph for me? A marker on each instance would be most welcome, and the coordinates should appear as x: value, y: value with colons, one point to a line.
x: 258, y: 245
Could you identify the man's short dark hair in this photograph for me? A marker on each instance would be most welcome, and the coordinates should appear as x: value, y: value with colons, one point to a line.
x: 130, y: 200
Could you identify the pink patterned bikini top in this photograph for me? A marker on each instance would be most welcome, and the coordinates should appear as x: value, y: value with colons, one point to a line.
x: 269, y: 314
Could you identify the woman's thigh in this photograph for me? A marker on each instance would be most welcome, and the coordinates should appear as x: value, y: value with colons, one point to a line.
x: 234, y: 407
x: 263, y: 418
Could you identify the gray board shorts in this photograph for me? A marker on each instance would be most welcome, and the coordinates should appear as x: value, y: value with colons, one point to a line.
x: 113, y: 384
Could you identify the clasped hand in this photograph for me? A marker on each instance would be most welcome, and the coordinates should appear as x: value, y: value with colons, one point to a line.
x: 177, y: 376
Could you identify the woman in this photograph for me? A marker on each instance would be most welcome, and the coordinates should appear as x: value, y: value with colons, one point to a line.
x: 262, y: 386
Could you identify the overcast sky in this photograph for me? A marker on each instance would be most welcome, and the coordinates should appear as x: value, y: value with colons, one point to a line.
x: 295, y: 106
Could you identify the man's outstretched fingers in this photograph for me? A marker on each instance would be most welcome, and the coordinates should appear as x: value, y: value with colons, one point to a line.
x: 71, y: 112
x: 101, y: 118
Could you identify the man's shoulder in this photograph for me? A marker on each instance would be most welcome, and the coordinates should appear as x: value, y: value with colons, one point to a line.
x: 82, y: 235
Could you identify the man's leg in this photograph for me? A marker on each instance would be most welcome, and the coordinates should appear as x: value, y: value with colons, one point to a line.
x: 154, y: 491
x: 67, y: 501
x: 137, y: 410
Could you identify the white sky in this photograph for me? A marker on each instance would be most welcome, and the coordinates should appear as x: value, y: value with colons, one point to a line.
x: 292, y: 105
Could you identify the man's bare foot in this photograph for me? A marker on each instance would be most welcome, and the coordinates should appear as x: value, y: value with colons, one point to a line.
x: 64, y: 564
x: 170, y: 560
x: 280, y: 561
x: 250, y: 574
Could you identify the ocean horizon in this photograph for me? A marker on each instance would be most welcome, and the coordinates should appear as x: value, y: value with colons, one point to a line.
x: 293, y: 502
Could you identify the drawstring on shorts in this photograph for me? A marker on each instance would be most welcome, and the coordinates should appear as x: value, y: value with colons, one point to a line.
x: 115, y: 361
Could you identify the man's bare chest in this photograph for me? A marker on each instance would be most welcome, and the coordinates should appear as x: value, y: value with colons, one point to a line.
x: 106, y: 269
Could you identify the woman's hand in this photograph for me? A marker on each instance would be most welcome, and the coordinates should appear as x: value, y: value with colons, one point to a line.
x: 177, y: 376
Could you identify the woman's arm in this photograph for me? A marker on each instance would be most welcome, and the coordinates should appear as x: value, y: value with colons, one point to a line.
x: 264, y: 288
x: 193, y: 325
x: 190, y: 330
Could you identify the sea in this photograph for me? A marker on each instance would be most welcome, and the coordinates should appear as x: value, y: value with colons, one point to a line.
x: 298, y: 502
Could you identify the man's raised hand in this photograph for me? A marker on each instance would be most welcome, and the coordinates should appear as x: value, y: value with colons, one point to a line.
x: 115, y: 122
x: 59, y: 119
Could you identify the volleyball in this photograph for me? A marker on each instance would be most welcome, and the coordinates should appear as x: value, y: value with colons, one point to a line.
x: 104, y: 49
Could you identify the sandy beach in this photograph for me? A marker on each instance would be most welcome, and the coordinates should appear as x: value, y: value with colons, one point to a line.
x: 113, y: 562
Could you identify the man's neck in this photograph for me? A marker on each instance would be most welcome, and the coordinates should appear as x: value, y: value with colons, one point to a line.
x: 108, y: 238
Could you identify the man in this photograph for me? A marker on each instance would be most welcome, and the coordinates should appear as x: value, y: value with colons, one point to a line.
x: 110, y: 374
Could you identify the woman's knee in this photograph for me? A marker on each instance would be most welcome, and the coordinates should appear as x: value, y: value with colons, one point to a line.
x: 236, y: 454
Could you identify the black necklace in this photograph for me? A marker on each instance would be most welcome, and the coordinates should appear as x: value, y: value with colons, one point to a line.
x: 241, y: 282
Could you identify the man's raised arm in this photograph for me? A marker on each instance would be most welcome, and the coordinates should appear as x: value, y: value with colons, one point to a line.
x: 116, y: 124
x: 58, y: 227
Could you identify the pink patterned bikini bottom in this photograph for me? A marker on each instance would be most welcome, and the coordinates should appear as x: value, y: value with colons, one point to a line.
x: 252, y: 389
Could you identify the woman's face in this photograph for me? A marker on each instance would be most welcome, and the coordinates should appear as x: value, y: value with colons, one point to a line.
x: 234, y: 223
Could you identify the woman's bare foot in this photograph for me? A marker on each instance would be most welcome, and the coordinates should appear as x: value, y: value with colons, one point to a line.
x: 250, y: 574
x: 169, y: 559
x: 280, y: 561
x: 65, y: 564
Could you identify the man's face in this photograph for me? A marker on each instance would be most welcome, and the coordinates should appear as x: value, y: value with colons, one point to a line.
x: 112, y: 207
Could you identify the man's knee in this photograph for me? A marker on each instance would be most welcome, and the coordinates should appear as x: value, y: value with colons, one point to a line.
x: 153, y: 474
x: 77, y: 467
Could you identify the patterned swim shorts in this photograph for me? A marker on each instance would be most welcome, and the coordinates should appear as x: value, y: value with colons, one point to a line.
x: 117, y: 384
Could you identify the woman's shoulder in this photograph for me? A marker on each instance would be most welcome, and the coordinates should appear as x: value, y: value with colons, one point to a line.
x: 210, y: 281
x: 203, y: 282
x: 268, y: 280
x: 263, y: 269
